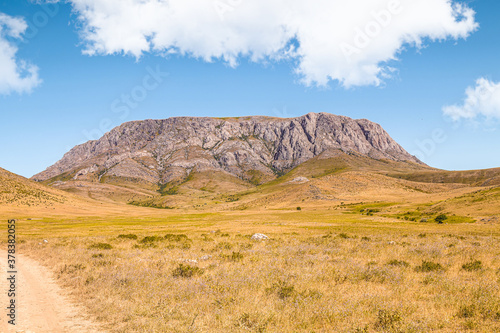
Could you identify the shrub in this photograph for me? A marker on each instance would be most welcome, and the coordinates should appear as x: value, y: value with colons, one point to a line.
x: 282, y: 289
x: 101, y: 246
x: 388, y: 320
x: 185, y: 246
x: 441, y: 218
x: 344, y: 236
x: 429, y: 266
x: 396, y: 262
x: 224, y: 245
x: 474, y: 265
x: 366, y: 239
x: 127, y: 236
x: 151, y: 239
x: 187, y: 271
x: 176, y: 238
x: 467, y: 311
x: 236, y: 256
x: 299, y: 208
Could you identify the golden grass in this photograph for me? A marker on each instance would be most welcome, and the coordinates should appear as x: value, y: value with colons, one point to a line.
x: 350, y: 260
x: 320, y: 271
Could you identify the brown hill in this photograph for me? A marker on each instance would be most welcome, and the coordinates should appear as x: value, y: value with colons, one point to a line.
x: 19, y: 191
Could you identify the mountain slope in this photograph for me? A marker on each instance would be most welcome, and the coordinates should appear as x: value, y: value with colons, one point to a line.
x: 486, y: 177
x: 19, y: 191
x: 254, y: 149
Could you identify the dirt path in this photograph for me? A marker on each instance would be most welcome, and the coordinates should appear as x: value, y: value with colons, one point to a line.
x: 41, y: 305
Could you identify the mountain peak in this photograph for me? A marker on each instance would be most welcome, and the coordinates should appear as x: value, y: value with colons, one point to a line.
x: 253, y: 148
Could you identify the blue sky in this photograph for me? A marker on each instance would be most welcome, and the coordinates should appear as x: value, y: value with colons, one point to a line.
x: 79, y: 96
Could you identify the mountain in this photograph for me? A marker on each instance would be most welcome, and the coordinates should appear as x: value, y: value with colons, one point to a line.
x: 255, y: 150
x: 317, y: 161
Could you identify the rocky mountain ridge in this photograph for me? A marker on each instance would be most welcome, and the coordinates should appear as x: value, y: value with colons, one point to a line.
x: 255, y: 149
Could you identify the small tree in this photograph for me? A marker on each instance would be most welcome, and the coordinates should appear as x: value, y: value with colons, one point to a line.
x: 441, y: 218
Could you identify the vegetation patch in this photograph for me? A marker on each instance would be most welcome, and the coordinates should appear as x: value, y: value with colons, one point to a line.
x: 101, y: 246
x: 467, y: 311
x: 474, y: 265
x: 429, y: 266
x: 389, y: 320
x: 149, y: 204
x: 282, y: 289
x: 127, y: 236
x: 235, y: 256
x: 176, y: 238
x: 151, y: 239
x: 441, y: 218
x: 224, y: 246
x: 187, y: 271
x: 399, y: 263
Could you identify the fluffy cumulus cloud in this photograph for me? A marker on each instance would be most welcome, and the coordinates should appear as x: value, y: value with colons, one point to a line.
x: 15, y: 75
x: 350, y: 41
x: 481, y: 100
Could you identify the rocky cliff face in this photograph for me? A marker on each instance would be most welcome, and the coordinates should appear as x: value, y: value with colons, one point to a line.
x: 251, y: 148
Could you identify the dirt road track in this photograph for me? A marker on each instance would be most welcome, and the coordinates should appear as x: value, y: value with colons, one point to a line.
x: 41, y: 305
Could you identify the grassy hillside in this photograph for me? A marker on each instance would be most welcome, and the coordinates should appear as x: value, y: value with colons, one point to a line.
x: 17, y: 190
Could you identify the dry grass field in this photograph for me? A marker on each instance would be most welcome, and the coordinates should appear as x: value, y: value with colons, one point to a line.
x: 347, y: 252
x: 320, y: 271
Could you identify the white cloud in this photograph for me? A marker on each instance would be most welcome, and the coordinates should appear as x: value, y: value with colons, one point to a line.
x: 482, y: 100
x: 351, y: 41
x: 15, y: 75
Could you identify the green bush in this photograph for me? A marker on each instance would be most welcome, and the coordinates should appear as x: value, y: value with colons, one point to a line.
x: 474, y: 265
x: 429, y: 266
x: 176, y: 238
x: 101, y: 246
x: 127, y: 236
x: 441, y: 218
x: 151, y: 239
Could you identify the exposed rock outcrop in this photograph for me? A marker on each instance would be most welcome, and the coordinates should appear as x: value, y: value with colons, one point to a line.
x: 251, y: 148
